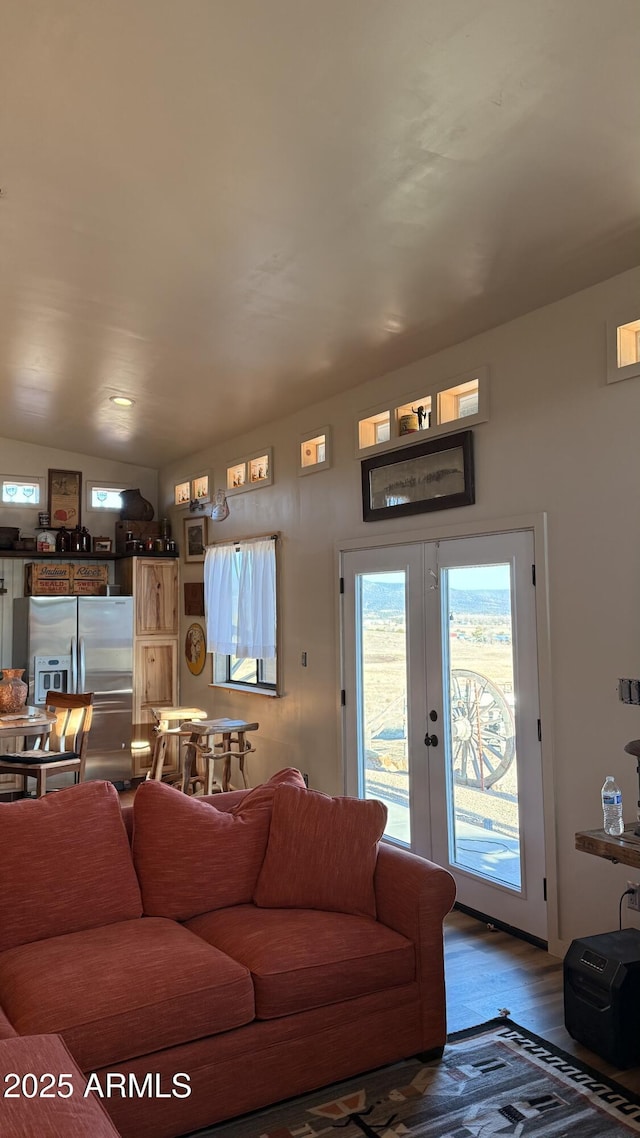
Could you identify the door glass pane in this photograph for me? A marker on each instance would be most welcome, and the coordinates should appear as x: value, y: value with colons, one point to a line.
x: 382, y: 696
x: 482, y: 777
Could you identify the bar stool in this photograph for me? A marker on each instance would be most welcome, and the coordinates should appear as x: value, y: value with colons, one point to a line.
x: 163, y: 717
x: 233, y: 745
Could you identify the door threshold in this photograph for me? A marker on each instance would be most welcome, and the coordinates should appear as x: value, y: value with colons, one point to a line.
x: 494, y: 923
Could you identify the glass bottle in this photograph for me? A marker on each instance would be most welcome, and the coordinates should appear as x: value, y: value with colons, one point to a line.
x: 63, y: 540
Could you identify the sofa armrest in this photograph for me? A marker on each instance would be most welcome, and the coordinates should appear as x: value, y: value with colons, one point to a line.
x: 413, y: 896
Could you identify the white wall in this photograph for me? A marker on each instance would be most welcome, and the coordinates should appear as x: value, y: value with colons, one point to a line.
x: 559, y: 440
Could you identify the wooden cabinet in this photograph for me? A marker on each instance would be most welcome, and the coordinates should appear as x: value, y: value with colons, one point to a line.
x: 156, y: 671
x: 154, y: 585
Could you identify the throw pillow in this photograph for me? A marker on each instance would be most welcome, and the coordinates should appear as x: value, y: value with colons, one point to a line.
x: 192, y: 858
x: 66, y: 865
x: 322, y: 853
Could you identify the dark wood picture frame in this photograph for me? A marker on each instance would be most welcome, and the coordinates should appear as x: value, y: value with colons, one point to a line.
x: 65, y: 498
x: 433, y: 475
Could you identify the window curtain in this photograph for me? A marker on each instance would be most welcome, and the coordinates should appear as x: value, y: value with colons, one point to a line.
x: 240, y: 599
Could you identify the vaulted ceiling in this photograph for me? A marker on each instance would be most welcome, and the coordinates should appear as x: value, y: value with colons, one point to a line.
x: 227, y: 209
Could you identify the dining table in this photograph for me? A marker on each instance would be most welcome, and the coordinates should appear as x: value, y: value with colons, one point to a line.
x: 27, y: 721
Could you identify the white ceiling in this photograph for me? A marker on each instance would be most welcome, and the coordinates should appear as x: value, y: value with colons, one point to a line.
x: 228, y: 209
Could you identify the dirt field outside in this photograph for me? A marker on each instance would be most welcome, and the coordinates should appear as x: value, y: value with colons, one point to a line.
x: 477, y: 644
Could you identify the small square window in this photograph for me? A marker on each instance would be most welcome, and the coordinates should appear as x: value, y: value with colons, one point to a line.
x: 375, y: 429
x: 182, y: 494
x: 21, y: 492
x: 105, y: 497
x: 458, y: 402
x: 250, y: 472
x: 623, y: 350
x: 315, y: 451
x: 200, y: 488
x: 236, y: 475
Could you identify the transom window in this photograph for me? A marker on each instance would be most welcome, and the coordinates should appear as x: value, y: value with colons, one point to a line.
x: 21, y: 491
x: 105, y: 497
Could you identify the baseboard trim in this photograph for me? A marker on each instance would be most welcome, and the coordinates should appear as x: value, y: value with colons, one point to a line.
x: 503, y: 926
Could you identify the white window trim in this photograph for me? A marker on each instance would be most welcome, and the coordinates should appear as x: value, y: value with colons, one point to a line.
x: 631, y: 371
x: 314, y: 467
x: 102, y: 485
x: 427, y: 391
x: 25, y: 480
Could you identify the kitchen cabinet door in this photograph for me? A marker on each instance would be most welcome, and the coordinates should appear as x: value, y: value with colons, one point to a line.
x: 156, y: 593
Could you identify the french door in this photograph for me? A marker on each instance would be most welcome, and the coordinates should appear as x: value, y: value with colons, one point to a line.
x: 441, y: 716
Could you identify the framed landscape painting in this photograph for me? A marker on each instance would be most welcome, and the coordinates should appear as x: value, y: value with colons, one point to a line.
x: 434, y: 475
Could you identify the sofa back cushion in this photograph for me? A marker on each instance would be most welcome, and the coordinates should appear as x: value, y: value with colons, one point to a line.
x: 192, y: 858
x: 322, y: 853
x: 66, y: 865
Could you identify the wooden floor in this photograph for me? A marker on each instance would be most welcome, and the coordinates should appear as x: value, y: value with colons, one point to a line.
x: 488, y: 971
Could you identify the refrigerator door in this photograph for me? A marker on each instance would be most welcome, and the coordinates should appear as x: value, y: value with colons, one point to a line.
x: 45, y: 627
x: 105, y: 667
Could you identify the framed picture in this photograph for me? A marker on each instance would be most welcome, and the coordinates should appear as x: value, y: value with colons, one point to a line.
x: 434, y: 475
x: 102, y: 545
x: 195, y: 538
x: 65, y: 498
x: 195, y: 649
x: 193, y: 598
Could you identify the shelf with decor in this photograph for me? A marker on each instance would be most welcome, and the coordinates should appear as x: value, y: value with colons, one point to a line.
x: 460, y: 401
x: 33, y: 555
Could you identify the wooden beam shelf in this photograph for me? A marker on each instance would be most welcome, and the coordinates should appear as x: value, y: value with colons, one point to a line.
x: 625, y: 849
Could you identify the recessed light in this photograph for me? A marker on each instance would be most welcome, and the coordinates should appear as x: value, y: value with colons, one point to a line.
x: 121, y: 400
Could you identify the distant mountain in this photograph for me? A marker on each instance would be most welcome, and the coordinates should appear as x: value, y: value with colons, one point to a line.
x: 388, y: 598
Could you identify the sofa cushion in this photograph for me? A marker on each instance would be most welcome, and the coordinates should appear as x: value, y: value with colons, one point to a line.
x: 66, y: 865
x: 302, y: 958
x: 124, y: 990
x: 322, y: 853
x: 216, y: 855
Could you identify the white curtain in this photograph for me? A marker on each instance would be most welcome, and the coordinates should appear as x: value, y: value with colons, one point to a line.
x: 240, y: 599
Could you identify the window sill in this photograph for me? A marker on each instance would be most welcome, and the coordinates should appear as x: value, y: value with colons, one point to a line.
x: 254, y: 690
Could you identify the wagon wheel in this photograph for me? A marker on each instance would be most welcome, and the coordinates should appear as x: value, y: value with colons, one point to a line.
x: 482, y: 730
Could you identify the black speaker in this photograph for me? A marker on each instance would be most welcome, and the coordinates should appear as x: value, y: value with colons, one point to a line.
x: 602, y: 995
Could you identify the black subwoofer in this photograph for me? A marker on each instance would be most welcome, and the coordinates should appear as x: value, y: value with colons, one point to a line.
x: 602, y: 995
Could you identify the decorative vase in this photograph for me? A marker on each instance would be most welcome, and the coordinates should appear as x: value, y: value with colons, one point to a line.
x: 13, y: 690
x: 135, y: 508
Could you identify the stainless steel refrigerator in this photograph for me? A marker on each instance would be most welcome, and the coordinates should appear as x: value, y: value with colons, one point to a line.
x: 73, y: 644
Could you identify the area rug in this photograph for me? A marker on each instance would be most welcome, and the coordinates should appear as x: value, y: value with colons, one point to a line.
x: 495, y: 1079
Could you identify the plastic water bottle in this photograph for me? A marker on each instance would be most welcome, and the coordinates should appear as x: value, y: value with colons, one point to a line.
x: 612, y: 807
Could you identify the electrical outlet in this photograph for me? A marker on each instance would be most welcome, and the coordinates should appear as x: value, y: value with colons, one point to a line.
x: 633, y: 899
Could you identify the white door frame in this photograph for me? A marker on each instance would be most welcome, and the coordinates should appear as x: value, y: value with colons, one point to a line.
x: 538, y: 524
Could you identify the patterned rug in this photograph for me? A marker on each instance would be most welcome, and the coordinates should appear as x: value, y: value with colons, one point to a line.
x: 497, y: 1078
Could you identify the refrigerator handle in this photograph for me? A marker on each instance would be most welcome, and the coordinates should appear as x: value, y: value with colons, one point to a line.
x: 82, y: 677
x: 74, y: 666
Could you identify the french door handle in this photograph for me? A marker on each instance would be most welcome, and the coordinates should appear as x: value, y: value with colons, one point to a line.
x: 430, y: 740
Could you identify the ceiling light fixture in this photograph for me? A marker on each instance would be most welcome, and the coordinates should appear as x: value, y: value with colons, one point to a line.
x: 121, y: 400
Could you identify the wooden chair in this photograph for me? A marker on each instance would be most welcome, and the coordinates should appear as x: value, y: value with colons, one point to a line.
x: 63, y: 749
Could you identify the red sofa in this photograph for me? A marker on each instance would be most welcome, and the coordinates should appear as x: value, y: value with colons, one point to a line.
x: 240, y: 950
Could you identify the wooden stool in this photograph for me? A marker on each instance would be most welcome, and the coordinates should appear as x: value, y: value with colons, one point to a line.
x: 232, y: 745
x: 163, y: 718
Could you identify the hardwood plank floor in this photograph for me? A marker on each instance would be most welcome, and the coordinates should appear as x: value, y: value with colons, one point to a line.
x: 488, y: 970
